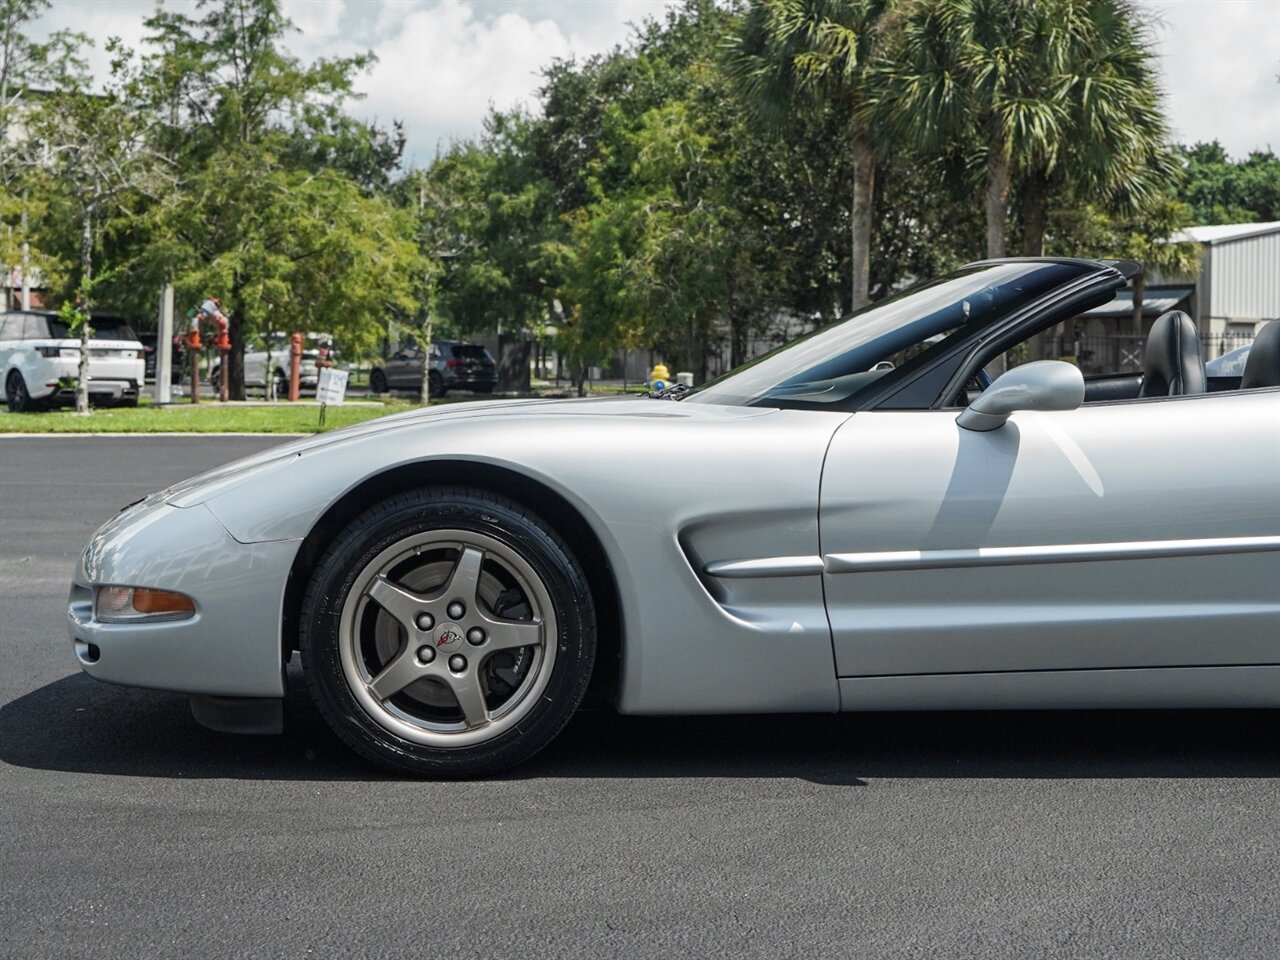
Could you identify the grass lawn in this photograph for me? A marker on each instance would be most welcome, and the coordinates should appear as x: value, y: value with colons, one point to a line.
x: 206, y: 417
x: 210, y: 416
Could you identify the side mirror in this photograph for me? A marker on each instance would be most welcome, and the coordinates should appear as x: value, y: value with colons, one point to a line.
x: 1043, y: 385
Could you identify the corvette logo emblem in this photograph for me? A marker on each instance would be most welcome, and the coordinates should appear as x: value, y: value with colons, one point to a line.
x: 447, y: 637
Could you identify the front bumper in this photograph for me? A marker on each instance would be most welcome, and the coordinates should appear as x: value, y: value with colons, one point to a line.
x: 231, y: 647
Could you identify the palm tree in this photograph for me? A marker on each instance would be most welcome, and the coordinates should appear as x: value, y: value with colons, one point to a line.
x: 985, y: 77
x: 1111, y: 145
x: 822, y: 51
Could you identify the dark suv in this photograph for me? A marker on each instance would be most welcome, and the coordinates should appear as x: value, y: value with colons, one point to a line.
x: 454, y: 366
x: 177, y: 360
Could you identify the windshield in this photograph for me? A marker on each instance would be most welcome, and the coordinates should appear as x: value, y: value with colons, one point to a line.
x: 1229, y: 364
x: 103, y: 329
x: 834, y: 363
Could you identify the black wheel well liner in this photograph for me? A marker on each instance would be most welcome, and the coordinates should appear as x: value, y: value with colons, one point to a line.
x: 529, y: 493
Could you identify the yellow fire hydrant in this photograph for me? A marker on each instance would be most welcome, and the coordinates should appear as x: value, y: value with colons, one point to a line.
x: 659, y: 378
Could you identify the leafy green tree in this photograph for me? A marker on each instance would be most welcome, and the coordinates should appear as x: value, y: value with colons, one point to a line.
x: 92, y: 152
x: 1145, y: 234
x: 1221, y: 190
x: 29, y: 70
x: 487, y: 214
x: 276, y: 210
x: 653, y: 258
x: 488, y: 219
x: 28, y: 66
x: 926, y: 223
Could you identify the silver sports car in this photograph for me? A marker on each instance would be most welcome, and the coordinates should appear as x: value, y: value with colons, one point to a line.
x: 873, y: 517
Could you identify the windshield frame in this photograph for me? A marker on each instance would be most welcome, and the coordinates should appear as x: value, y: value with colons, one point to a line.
x: 948, y: 346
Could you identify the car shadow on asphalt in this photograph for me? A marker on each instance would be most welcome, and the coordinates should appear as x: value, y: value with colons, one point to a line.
x: 79, y: 725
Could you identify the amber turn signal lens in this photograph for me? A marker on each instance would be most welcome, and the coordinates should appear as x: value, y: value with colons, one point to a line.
x: 161, y: 601
x: 122, y: 604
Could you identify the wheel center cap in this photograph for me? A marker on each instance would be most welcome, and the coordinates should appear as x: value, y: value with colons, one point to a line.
x: 448, y: 636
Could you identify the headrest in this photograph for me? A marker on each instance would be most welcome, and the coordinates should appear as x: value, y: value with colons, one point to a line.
x: 1172, y: 365
x: 1262, y: 368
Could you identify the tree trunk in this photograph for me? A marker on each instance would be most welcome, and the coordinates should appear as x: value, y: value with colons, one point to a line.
x: 1035, y: 201
x: 513, y: 363
x: 738, y: 323
x: 426, y: 361
x: 704, y: 349
x: 864, y: 183
x: 86, y: 323
x: 996, y: 206
x: 997, y: 199
x: 234, y: 361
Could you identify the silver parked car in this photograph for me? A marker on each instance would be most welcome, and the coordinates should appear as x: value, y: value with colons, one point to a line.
x: 272, y: 351
x: 862, y: 520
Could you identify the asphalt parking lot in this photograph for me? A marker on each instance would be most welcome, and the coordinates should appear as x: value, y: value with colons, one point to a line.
x: 129, y: 831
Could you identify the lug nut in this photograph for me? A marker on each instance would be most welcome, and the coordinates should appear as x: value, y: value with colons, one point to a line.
x: 425, y: 621
x: 457, y: 663
x: 456, y: 610
x: 426, y: 653
x: 475, y: 636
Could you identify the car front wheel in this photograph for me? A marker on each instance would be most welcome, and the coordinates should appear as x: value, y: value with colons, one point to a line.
x: 377, y: 382
x: 448, y: 632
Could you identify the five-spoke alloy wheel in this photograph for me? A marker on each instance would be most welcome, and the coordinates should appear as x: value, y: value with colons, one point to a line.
x: 457, y: 625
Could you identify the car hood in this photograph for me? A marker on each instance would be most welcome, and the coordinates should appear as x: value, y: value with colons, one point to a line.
x: 205, y: 485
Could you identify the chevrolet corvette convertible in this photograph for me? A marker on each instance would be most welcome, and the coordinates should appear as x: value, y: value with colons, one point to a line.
x: 890, y: 513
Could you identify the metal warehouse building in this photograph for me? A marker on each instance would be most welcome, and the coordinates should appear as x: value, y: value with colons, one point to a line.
x: 1239, y: 283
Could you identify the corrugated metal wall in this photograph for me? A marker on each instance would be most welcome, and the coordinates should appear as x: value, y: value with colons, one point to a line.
x: 1246, y: 279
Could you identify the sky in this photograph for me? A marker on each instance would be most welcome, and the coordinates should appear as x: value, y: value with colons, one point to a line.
x: 443, y: 63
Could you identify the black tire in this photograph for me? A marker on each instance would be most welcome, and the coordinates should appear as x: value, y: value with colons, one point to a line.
x: 15, y: 393
x: 415, y: 726
x: 435, y: 384
x: 282, y: 384
x: 377, y: 381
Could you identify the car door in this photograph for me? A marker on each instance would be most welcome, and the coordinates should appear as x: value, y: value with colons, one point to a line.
x: 1142, y: 533
x: 399, y: 371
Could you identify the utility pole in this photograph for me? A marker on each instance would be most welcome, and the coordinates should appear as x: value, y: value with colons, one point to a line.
x: 164, y: 347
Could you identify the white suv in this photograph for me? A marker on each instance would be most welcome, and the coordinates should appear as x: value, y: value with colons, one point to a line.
x: 40, y: 361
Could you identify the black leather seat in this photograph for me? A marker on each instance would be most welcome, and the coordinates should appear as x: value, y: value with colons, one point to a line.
x: 1262, y: 368
x: 1172, y: 365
